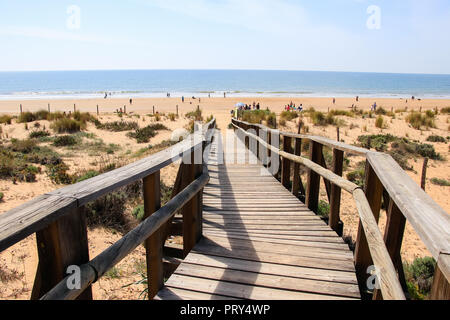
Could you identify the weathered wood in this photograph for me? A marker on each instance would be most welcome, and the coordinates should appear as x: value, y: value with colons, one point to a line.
x: 335, y: 194
x: 326, y: 181
x: 373, y: 191
x: 119, y: 250
x: 386, y: 274
x: 286, y: 163
x: 429, y: 220
x: 441, y: 285
x: 424, y: 174
x: 189, y: 211
x: 62, y: 244
x: 297, y: 184
x: 154, y: 244
x: 313, y: 184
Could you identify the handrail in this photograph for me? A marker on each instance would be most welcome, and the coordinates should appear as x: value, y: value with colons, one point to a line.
x: 96, y: 268
x: 389, y: 283
x: 22, y: 221
x: 429, y: 220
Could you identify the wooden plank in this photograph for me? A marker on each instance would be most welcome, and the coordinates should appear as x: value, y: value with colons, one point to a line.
x: 180, y: 294
x: 429, y: 220
x: 154, y: 244
x: 286, y: 163
x: 241, y: 291
x: 335, y: 194
x: 62, y: 244
x: 441, y: 285
x: 363, y: 259
x: 271, y: 268
x: 313, y: 183
x: 258, y: 279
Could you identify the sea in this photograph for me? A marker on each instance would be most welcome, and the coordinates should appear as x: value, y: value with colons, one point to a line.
x: 235, y: 83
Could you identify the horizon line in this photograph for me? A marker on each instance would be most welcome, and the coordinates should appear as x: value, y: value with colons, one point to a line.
x: 214, y: 69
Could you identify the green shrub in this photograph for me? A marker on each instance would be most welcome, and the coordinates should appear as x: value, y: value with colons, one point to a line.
x: 320, y: 119
x: 289, y: 115
x: 440, y: 182
x: 65, y: 141
x: 23, y: 146
x: 58, y: 173
x: 378, y: 142
x: 195, y: 115
x: 341, y: 113
x: 419, y: 277
x: 117, y: 126
x: 143, y: 135
x: 445, y: 110
x: 436, y: 139
x: 323, y: 209
x: 358, y: 176
x: 88, y: 175
x: 139, y: 212
x: 5, y: 119
x: 172, y: 116
x: 379, y: 123
x: 39, y: 134
x: 67, y: 125
x: 1, y: 196
x: 417, y: 120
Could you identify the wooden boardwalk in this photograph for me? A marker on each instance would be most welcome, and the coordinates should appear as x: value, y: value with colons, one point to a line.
x: 261, y: 242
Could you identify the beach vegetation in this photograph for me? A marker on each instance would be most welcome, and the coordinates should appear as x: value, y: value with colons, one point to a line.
x: 440, y: 182
x: 379, y: 122
x: 323, y: 209
x: 1, y: 196
x: 143, y: 135
x: 435, y: 138
x: 117, y: 126
x: 445, y: 110
x: 288, y: 115
x: 357, y: 176
x: 345, y: 113
x: 172, y: 116
x: 418, y: 120
x: 67, y: 125
x: 65, y: 141
x: 5, y: 119
x: 320, y: 119
x: 419, y: 277
x: 195, y: 115
x: 39, y: 134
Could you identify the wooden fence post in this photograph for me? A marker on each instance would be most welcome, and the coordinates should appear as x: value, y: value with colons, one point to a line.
x: 374, y: 192
x: 424, y: 174
x: 20, y: 108
x: 335, y: 196
x: 441, y: 286
x: 296, y: 181
x: 189, y: 211
x: 98, y: 111
x: 286, y: 163
x: 62, y: 244
x: 313, y: 184
x: 154, y: 244
x: 48, y: 107
x: 393, y: 237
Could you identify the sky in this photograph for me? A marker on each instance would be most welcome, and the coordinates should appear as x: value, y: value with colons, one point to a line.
x: 400, y: 36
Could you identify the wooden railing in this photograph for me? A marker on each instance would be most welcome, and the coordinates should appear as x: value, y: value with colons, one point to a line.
x: 384, y: 181
x: 59, y: 221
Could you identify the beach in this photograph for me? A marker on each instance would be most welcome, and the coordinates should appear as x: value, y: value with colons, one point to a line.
x: 22, y: 257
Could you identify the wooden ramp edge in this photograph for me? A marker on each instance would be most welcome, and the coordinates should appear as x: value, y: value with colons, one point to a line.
x: 260, y: 242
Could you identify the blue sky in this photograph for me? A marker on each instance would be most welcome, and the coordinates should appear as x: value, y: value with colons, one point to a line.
x: 325, y: 35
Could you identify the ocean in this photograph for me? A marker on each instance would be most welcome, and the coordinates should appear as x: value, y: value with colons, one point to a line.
x: 236, y: 83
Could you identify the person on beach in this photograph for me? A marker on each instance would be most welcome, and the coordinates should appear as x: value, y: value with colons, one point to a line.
x: 131, y: 101
x: 334, y: 100
x: 224, y: 94
x: 106, y: 95
x: 357, y: 98
x: 182, y: 99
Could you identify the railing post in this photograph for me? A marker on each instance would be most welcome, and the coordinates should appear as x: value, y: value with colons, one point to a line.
x: 62, y: 244
x: 393, y: 237
x: 296, y: 181
x: 154, y: 244
x: 363, y: 260
x: 335, y: 196
x: 441, y: 286
x: 313, y: 184
x: 286, y: 163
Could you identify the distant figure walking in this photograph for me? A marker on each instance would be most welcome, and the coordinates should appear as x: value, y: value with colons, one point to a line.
x: 374, y: 107
x: 357, y: 98
x: 224, y: 94
x: 334, y: 100
x: 182, y: 99
x: 131, y: 101
x: 106, y: 95
x: 209, y: 95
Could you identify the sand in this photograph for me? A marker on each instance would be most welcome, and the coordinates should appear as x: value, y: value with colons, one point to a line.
x: 20, y: 261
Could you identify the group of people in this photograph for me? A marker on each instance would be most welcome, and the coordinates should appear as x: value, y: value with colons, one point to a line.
x: 291, y: 107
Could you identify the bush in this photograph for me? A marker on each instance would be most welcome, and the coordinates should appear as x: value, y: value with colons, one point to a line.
x: 195, y: 115
x: 172, y: 116
x: 23, y: 146
x: 65, y: 141
x: 341, y: 113
x: 88, y: 175
x: 117, y: 126
x: 139, y: 212
x: 320, y: 119
x: 1, y: 196
x: 378, y: 142
x: 289, y: 115
x: 39, y: 134
x: 58, y: 173
x: 323, y: 209
x: 440, y: 182
x: 358, y: 176
x: 282, y: 122
x: 436, y: 139
x: 417, y: 120
x: 108, y: 211
x: 67, y: 125
x: 445, y: 110
x: 5, y: 119
x: 145, y: 134
x: 379, y: 123
x: 419, y: 277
